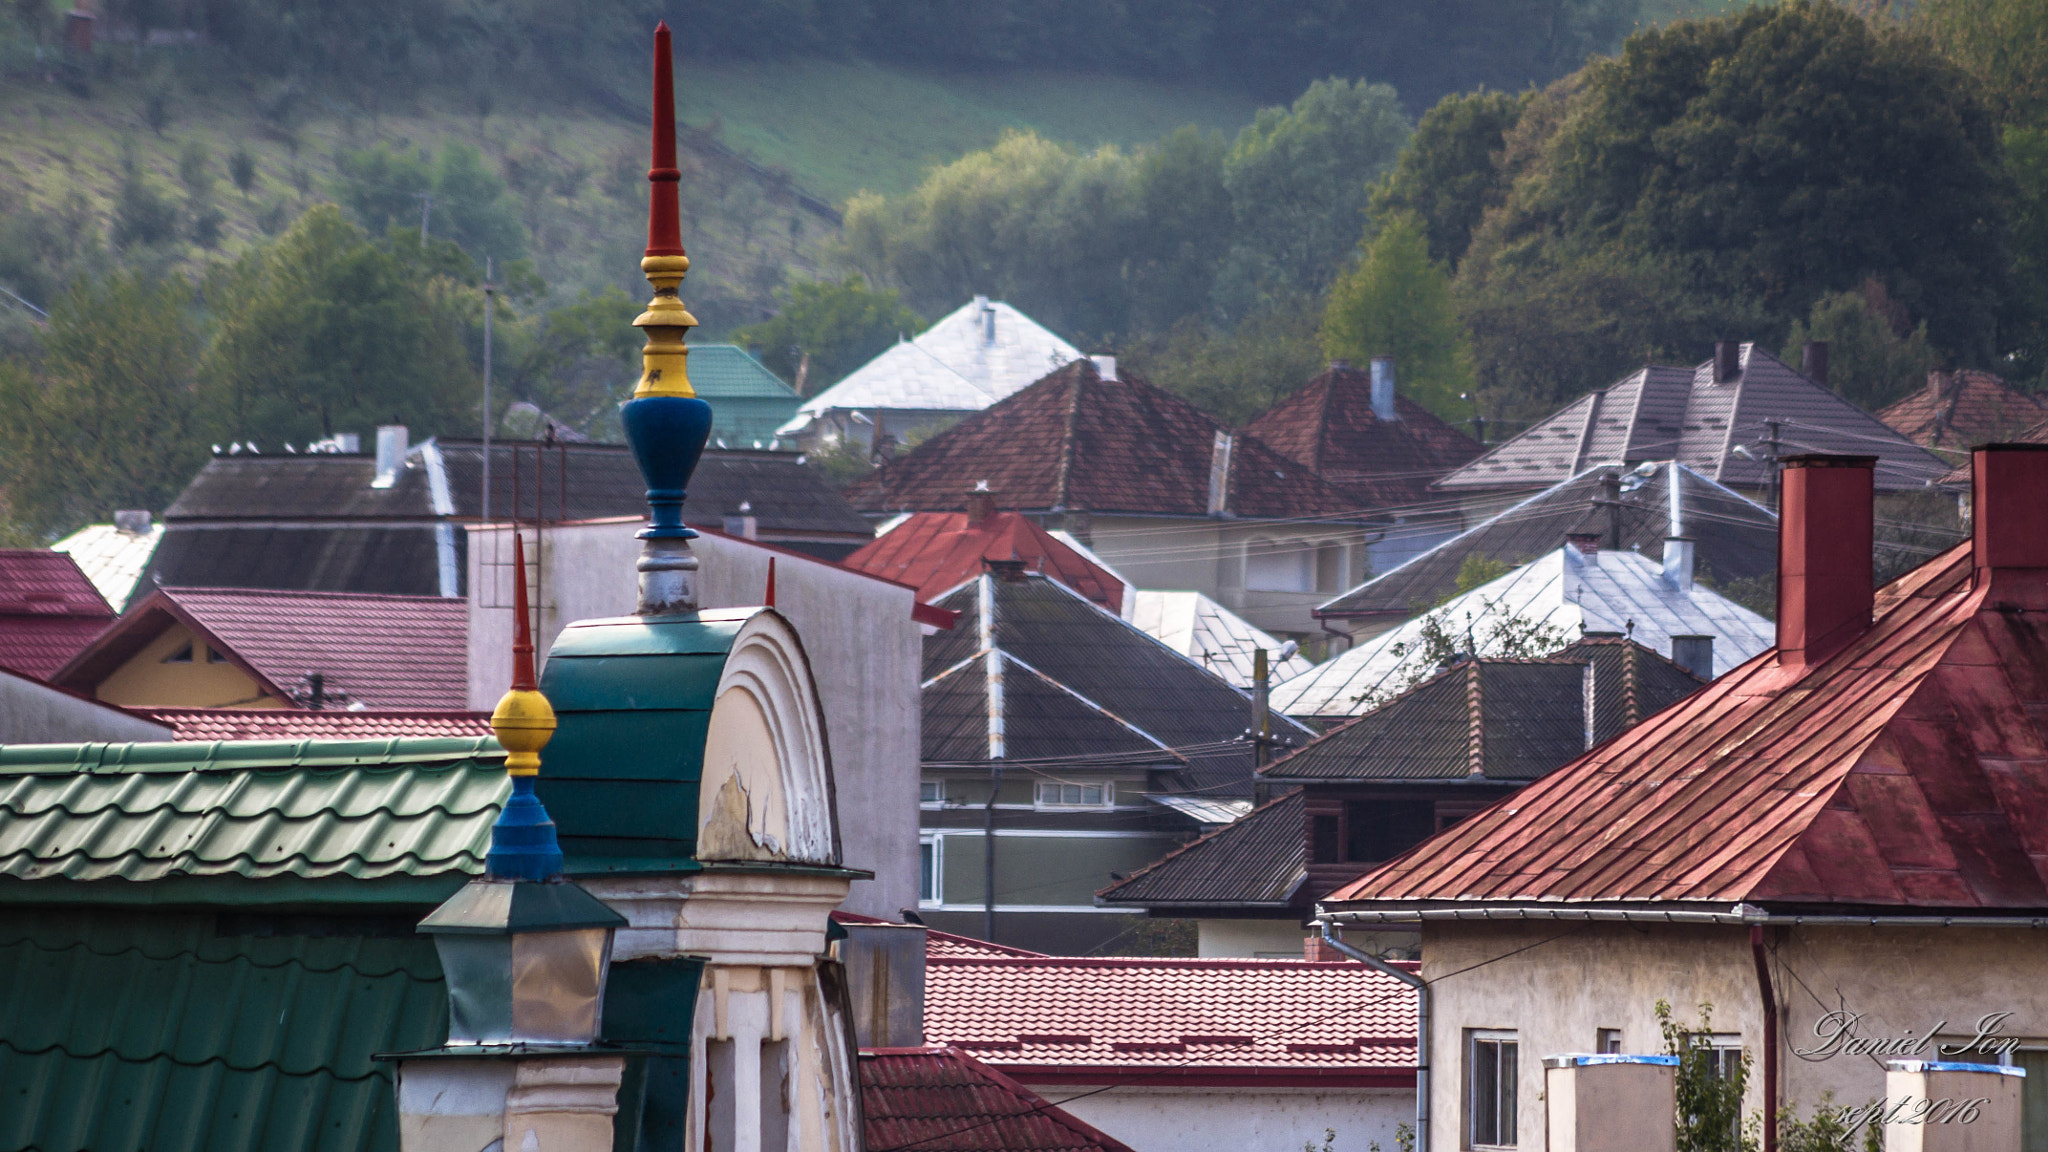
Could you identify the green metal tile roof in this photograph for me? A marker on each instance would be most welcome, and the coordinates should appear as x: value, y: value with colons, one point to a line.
x: 728, y: 372
x: 160, y: 1032
x: 360, y: 809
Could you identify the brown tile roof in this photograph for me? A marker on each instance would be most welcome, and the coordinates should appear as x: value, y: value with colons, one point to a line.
x: 1907, y: 770
x: 1957, y: 411
x: 936, y: 552
x: 1329, y: 426
x: 1074, y: 441
x: 941, y: 1099
x: 387, y: 652
x: 326, y: 724
x: 48, y: 611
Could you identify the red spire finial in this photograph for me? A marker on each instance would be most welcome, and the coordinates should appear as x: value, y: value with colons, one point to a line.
x: 770, y: 595
x: 523, y: 679
x: 664, y: 216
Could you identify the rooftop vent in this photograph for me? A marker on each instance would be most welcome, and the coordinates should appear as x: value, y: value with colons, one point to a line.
x: 391, y: 447
x: 1105, y: 367
x: 133, y: 521
x: 1383, y: 389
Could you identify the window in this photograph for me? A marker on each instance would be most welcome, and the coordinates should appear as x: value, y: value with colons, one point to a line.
x: 1330, y: 568
x: 1059, y: 795
x: 1491, y: 1070
x: 1608, y: 1041
x: 215, y: 656
x: 931, y: 792
x: 1324, y: 840
x: 929, y: 881
x: 2033, y: 1099
x: 181, y: 656
x: 1274, y: 566
x: 1383, y: 829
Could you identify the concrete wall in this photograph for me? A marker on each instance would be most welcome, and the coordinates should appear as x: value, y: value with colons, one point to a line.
x: 1240, y: 1119
x: 1580, y: 978
x: 35, y: 713
x: 1209, y: 556
x: 864, y: 648
x: 1269, y: 938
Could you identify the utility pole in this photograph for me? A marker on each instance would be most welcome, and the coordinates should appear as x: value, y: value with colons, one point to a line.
x: 426, y: 213
x: 1262, y: 712
x: 490, y: 294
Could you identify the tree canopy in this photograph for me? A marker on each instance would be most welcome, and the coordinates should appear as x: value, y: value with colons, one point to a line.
x: 1396, y: 301
x: 825, y: 330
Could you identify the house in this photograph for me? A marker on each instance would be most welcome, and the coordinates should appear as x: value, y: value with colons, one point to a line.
x: 1061, y: 745
x: 940, y: 1097
x: 1836, y: 845
x: 48, y: 611
x: 1213, y: 636
x: 114, y: 556
x: 34, y: 712
x: 1356, y: 431
x: 1725, y: 419
x: 748, y: 402
x: 1579, y: 589
x: 1734, y: 539
x: 255, y: 648
x: 978, y: 354
x: 1373, y: 787
x: 1959, y: 410
x: 936, y: 552
x: 396, y: 521
x: 1162, y: 492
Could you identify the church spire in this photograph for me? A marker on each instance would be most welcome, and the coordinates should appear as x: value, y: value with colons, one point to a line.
x: 665, y: 422
x: 523, y: 845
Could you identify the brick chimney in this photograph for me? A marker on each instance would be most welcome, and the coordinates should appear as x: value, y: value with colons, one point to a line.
x: 1813, y: 361
x: 1824, y: 572
x: 1588, y: 543
x: 1727, y: 361
x: 2009, y: 521
x: 981, y: 504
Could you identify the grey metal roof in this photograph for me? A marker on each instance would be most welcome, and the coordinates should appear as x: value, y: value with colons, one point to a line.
x: 1660, y: 413
x: 399, y: 558
x: 1260, y: 859
x: 1736, y: 538
x: 1214, y: 636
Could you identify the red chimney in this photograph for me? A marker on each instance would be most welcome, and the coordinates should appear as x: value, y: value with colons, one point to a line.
x: 1824, y: 539
x: 981, y: 505
x: 2009, y: 517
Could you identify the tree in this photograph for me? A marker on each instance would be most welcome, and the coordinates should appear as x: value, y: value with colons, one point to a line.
x: 383, y: 187
x: 1870, y: 361
x: 1232, y: 373
x: 1396, y: 301
x: 2004, y: 43
x: 143, y: 215
x: 1451, y: 171
x: 1709, y: 1088
x: 823, y: 330
x: 2026, y: 327
x: 242, y: 169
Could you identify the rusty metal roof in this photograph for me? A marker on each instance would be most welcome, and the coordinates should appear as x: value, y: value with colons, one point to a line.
x: 943, y: 1100
x: 1908, y: 770
x: 936, y: 552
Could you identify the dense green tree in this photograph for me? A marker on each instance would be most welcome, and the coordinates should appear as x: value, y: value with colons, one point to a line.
x: 1232, y: 373
x: 2026, y: 343
x: 823, y: 330
x: 1870, y: 361
x: 1185, y: 223
x: 1299, y: 180
x: 385, y: 187
x: 1451, y: 171
x: 143, y: 215
x: 2004, y: 43
x: 1396, y: 301
x: 327, y: 331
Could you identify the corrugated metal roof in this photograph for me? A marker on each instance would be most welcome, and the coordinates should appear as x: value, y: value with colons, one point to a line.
x: 936, y: 552
x: 1735, y: 538
x: 175, y: 1032
x: 1260, y: 859
x: 112, y: 559
x: 1330, y: 426
x: 326, y: 724
x: 1212, y: 636
x: 729, y: 372
x: 1903, y: 771
x: 944, y: 1100
x: 1659, y: 413
x: 400, y: 559
x: 1613, y: 592
x: 953, y: 365
x: 364, y: 809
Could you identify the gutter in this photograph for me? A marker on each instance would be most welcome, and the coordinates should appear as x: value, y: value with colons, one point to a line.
x: 1421, y: 986
x: 1739, y: 915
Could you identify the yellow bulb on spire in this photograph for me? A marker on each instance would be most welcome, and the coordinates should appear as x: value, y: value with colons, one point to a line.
x: 524, y: 721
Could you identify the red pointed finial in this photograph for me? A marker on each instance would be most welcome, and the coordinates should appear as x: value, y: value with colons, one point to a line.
x: 664, y: 217
x: 523, y: 679
x: 769, y: 600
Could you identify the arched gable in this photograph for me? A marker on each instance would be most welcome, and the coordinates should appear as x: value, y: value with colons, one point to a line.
x: 766, y: 788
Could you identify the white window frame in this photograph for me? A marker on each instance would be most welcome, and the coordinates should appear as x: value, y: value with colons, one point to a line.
x: 933, y: 894
x: 1062, y: 805
x: 936, y: 801
x: 1507, y: 1096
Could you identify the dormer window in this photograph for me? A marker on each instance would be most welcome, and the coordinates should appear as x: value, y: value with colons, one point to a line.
x: 182, y: 656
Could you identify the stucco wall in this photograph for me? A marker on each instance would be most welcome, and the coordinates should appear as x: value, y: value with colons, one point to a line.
x: 1208, y: 556
x: 1574, y: 979
x: 1239, y: 1120
x: 864, y: 648
x: 145, y: 681
x: 1250, y: 937
x: 32, y: 713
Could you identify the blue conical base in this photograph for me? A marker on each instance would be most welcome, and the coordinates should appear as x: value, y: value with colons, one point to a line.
x: 523, y: 843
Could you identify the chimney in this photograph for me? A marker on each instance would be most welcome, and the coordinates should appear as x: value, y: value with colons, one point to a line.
x: 1105, y: 367
x: 885, y: 980
x: 1589, y: 700
x: 1588, y: 544
x: 1219, y: 474
x: 1824, y: 540
x: 1727, y: 360
x: 1383, y: 388
x: 743, y: 523
x: 1937, y: 385
x: 988, y: 320
x: 1695, y: 654
x: 390, y: 454
x: 349, y: 442
x: 131, y: 521
x: 1678, y: 557
x: 1813, y: 361
x: 1009, y: 571
x: 981, y: 504
x: 2009, y: 518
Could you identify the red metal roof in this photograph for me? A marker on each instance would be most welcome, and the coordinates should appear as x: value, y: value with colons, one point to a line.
x: 49, y: 610
x: 385, y: 652
x: 943, y: 1100
x: 326, y: 724
x: 936, y: 552
x: 1054, y: 1019
x: 1330, y: 426
x: 1909, y: 769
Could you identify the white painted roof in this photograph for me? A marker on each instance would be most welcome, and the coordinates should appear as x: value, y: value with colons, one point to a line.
x: 112, y: 559
x: 1211, y: 635
x: 1565, y: 589
x: 950, y: 366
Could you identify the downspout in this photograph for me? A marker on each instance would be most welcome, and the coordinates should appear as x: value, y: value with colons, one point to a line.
x: 1421, y: 987
x: 992, y: 668
x: 1770, y: 1004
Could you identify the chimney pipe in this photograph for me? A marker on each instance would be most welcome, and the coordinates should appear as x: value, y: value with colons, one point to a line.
x: 391, y: 448
x: 1813, y: 361
x: 1219, y: 474
x: 1678, y: 561
x: 743, y: 523
x: 1824, y: 568
x: 1105, y: 367
x: 1695, y: 654
x: 1727, y: 360
x: 981, y: 504
x: 2009, y: 516
x: 1383, y: 389
x: 988, y: 321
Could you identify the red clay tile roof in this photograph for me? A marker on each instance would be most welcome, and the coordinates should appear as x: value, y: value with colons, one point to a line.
x: 1175, y: 1020
x: 1329, y: 426
x: 326, y: 724
x: 943, y: 1100
x: 1075, y: 441
x: 386, y: 652
x: 1958, y: 410
x: 936, y: 552
x: 1907, y: 770
x: 49, y: 610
